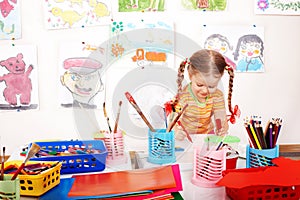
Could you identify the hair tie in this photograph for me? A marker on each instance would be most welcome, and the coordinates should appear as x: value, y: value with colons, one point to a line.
x: 229, y: 68
x: 235, y: 114
x: 187, y: 61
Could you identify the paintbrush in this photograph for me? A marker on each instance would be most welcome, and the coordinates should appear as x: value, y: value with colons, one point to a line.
x: 2, y: 164
x: 107, y: 118
x: 186, y: 132
x: 32, y: 151
x: 134, y: 104
x: 118, y: 117
x: 172, y: 124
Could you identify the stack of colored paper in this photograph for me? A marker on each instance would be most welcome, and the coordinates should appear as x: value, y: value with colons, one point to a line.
x: 159, y: 183
x: 152, y: 183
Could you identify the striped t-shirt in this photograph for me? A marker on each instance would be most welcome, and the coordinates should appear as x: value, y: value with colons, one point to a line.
x: 197, y: 118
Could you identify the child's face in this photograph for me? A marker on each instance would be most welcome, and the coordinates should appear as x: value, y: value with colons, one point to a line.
x: 202, y: 86
x: 250, y: 49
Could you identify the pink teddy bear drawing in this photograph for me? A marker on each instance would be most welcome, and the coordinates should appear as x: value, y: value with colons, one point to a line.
x: 17, y: 80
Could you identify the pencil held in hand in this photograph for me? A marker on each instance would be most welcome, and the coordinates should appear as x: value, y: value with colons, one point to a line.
x: 137, y: 108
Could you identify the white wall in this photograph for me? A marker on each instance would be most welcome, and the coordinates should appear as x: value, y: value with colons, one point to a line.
x: 270, y: 94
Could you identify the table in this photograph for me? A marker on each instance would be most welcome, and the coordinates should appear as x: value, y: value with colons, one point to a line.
x: 185, y: 161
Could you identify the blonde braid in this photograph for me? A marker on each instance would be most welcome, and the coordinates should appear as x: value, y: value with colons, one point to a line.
x: 231, y: 76
x: 180, y: 76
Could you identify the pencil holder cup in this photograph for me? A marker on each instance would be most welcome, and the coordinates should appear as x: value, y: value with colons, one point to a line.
x: 260, y: 158
x: 10, y: 189
x: 114, y: 143
x: 230, y: 140
x: 208, y: 167
x: 161, y: 147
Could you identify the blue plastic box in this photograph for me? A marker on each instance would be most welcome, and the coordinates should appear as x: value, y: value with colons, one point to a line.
x: 77, y: 163
x: 260, y: 158
x: 161, y: 147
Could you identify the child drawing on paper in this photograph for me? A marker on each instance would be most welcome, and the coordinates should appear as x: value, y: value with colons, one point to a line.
x: 221, y: 44
x: 17, y: 80
x: 83, y: 80
x: 205, y: 101
x: 250, y: 48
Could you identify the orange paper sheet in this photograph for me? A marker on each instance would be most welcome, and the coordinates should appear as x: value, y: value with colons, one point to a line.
x: 123, y: 181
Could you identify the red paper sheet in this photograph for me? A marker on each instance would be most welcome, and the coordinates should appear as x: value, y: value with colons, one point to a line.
x: 285, y: 173
x: 123, y: 182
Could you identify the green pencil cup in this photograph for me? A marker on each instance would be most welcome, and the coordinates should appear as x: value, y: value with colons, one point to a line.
x: 10, y: 189
x: 214, y: 140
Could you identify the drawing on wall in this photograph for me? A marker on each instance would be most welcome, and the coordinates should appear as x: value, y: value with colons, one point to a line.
x: 80, y: 68
x: 210, y: 5
x: 277, y: 7
x: 70, y: 14
x: 143, y: 47
x: 242, y: 47
x: 18, y: 78
x: 141, y: 5
x: 221, y: 44
x: 10, y: 19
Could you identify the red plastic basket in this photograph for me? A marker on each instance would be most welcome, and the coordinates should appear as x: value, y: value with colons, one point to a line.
x: 260, y: 192
x: 264, y: 192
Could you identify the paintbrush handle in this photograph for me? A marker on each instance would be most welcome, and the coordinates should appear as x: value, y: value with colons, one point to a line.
x: 118, y: 117
x: 2, y: 165
x: 186, y: 132
x: 172, y: 124
x: 134, y: 104
x: 18, y: 171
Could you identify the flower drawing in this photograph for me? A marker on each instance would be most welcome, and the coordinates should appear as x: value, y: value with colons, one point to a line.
x: 263, y: 4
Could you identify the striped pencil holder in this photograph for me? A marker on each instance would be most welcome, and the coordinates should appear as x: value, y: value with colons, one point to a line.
x: 260, y: 158
x: 208, y: 167
x: 114, y: 143
x: 10, y: 189
x: 161, y: 147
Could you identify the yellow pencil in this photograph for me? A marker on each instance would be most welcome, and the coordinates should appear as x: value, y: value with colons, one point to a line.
x: 255, y: 137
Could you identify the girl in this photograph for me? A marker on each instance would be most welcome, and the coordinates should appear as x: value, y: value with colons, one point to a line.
x: 205, y: 70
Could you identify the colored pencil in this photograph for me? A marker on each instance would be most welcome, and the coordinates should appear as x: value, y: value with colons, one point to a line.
x: 255, y: 136
x: 278, y: 129
x: 271, y: 135
x: 250, y: 136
